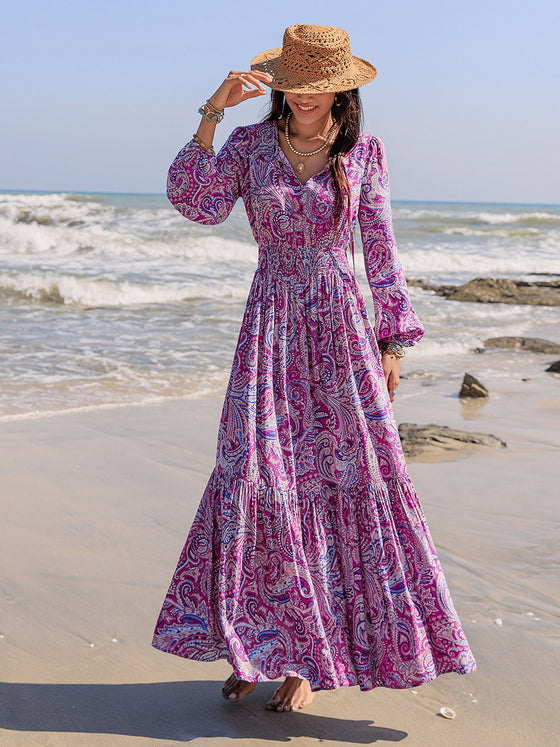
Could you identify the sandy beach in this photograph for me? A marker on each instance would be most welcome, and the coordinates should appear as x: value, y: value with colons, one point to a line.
x: 95, y: 509
x: 375, y: 190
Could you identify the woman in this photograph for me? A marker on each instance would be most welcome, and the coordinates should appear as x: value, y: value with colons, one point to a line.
x: 309, y: 557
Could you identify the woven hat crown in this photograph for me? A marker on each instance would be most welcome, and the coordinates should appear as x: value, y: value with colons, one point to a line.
x: 316, y: 52
x: 314, y: 59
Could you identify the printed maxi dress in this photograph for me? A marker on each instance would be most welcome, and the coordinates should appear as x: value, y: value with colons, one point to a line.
x: 309, y: 555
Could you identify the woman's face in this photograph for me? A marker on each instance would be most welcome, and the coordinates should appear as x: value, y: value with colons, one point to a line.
x: 309, y: 108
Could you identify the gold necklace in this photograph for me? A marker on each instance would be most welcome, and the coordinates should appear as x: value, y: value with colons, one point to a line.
x: 300, y: 167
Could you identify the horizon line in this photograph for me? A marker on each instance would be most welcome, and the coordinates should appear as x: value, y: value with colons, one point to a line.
x: 163, y: 194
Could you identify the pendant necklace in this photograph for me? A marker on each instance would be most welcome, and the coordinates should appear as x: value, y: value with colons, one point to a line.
x: 300, y: 167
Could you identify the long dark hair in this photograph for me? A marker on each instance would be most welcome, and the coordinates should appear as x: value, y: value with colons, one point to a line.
x: 347, y: 113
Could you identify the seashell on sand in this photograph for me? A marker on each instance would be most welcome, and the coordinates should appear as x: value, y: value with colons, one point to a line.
x: 447, y: 712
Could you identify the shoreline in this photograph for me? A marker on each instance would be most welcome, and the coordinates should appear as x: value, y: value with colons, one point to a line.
x: 37, y: 415
x: 498, y: 366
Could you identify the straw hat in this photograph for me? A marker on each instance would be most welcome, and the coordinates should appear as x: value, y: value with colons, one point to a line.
x: 314, y: 59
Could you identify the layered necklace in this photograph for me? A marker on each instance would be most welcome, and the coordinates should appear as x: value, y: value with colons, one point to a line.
x: 300, y: 167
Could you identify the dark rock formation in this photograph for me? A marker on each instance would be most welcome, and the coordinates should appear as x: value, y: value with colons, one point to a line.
x: 499, y: 290
x: 530, y: 344
x: 420, y: 439
x: 554, y: 367
x: 471, y: 387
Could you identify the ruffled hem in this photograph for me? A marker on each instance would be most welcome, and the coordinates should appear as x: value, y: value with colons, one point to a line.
x: 341, y: 587
x: 280, y: 673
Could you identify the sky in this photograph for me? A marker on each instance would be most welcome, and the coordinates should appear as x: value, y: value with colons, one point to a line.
x: 100, y: 96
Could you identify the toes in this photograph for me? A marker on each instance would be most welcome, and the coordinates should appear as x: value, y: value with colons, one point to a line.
x: 231, y: 687
x: 229, y: 684
x: 284, y: 707
x: 235, y: 689
x: 272, y: 704
x: 292, y: 695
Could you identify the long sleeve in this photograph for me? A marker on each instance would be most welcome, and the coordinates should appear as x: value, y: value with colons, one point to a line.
x: 204, y: 188
x: 395, y: 319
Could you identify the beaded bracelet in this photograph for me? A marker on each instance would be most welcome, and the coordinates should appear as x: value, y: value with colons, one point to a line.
x: 209, y: 112
x: 393, y: 348
x: 207, y: 148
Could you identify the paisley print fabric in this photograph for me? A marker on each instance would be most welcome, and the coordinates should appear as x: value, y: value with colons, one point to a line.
x: 309, y: 555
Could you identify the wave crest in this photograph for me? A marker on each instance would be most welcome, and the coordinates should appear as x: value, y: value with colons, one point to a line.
x: 99, y: 293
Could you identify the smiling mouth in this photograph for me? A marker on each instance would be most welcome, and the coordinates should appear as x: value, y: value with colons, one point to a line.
x: 305, y: 108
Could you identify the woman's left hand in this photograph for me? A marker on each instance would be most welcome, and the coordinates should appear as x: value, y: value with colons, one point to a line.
x: 390, y: 365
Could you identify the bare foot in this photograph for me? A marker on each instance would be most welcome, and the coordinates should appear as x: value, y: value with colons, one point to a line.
x: 294, y: 693
x: 235, y: 689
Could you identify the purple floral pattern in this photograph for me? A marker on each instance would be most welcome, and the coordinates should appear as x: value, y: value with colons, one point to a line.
x: 309, y: 554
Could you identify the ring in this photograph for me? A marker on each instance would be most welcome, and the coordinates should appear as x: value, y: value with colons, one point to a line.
x: 394, y: 392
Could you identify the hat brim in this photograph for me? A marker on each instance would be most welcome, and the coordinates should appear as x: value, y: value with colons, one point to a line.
x: 359, y: 74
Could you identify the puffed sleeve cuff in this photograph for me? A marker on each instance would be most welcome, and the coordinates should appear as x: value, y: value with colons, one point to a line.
x: 402, y: 325
x: 405, y: 340
x: 204, y: 187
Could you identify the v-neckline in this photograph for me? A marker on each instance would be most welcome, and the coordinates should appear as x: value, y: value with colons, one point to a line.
x: 287, y: 160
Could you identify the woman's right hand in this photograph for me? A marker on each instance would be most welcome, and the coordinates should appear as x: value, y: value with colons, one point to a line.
x: 240, y: 86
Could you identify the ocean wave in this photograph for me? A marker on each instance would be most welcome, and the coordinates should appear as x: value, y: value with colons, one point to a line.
x: 436, y: 349
x: 462, y: 215
x: 98, y: 293
x: 529, y: 217
x: 473, y: 262
x: 406, y: 213
x: 51, y: 209
x: 529, y: 232
x: 55, y: 225
x: 44, y: 239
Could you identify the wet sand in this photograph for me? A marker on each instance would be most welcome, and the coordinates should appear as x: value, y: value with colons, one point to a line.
x: 95, y: 509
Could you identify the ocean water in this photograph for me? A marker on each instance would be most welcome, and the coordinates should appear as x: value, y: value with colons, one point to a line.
x: 115, y: 299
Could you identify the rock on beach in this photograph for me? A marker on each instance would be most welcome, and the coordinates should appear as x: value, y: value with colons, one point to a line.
x: 529, y: 344
x: 472, y: 387
x: 498, y: 290
x: 420, y: 439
